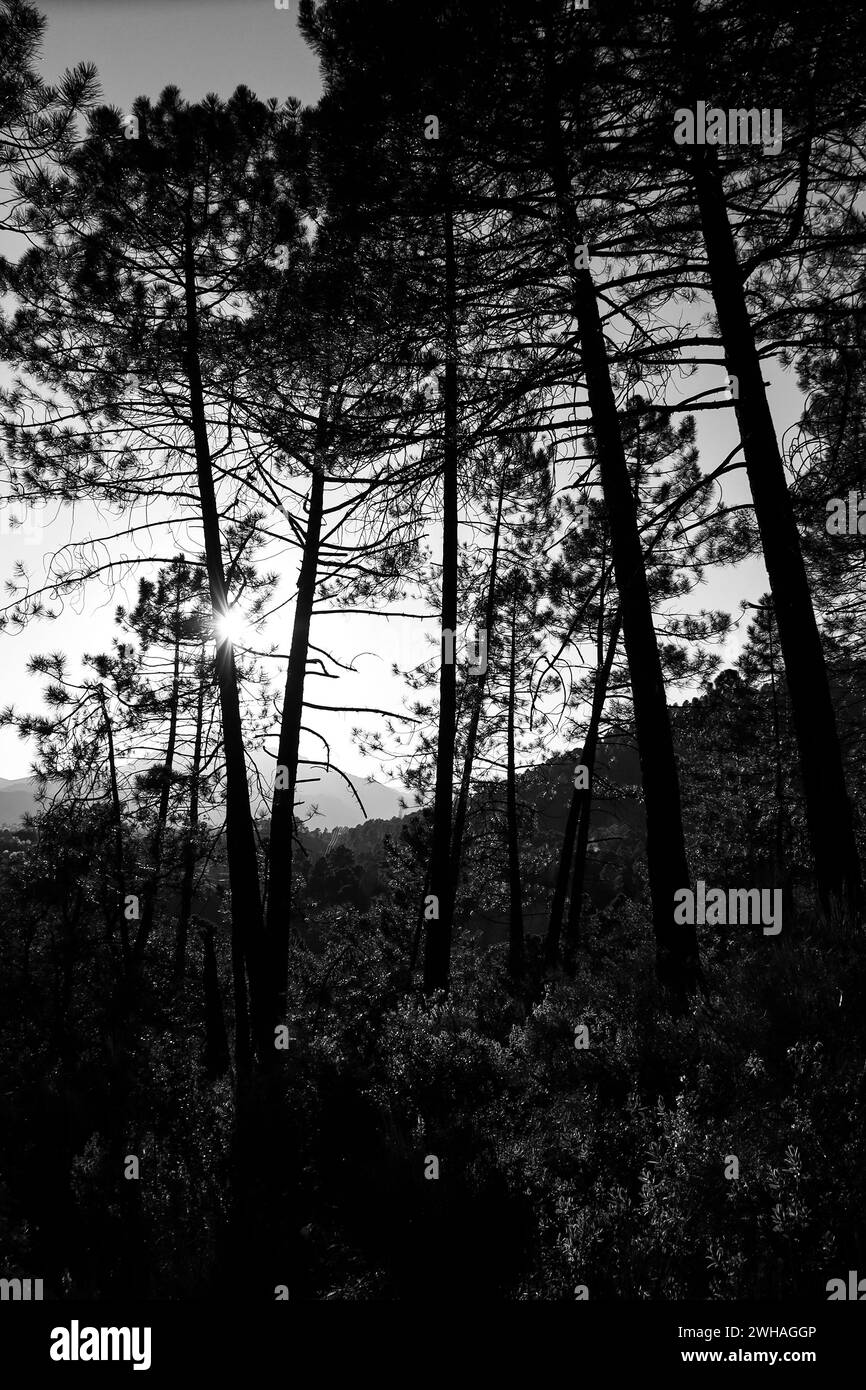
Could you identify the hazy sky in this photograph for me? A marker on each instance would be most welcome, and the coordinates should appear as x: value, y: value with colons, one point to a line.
x: 139, y: 47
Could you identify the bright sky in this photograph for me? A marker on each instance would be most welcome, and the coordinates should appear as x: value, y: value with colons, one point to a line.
x: 139, y: 47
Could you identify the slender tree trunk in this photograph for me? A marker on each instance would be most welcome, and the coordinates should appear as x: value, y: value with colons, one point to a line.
x: 566, y: 855
x: 152, y: 885
x: 216, y: 1050
x: 419, y: 928
x: 778, y: 780
x: 190, y: 857
x: 563, y: 873
x: 133, y: 1272
x: 676, y: 946
x: 590, y: 751
x: 828, y: 809
x: 437, y: 952
x: 117, y: 830
x: 575, y: 906
x: 782, y: 877
x: 515, y: 886
x: 246, y: 900
x: 280, y: 848
x: 478, y: 705
x: 579, y: 810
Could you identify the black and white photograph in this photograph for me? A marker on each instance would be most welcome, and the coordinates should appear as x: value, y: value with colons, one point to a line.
x: 432, y: 675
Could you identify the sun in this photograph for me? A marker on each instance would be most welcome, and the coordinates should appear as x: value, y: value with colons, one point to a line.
x: 230, y: 626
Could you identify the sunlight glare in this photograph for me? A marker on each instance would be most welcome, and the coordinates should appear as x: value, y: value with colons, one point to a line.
x: 230, y: 627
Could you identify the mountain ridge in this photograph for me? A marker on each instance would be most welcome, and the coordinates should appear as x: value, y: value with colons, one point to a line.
x: 337, y: 807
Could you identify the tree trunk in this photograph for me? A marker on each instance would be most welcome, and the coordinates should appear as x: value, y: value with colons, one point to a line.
x: 437, y: 952
x: 419, y: 928
x: 117, y: 828
x: 216, y: 1049
x: 580, y: 807
x: 152, y: 885
x: 676, y: 946
x: 590, y: 749
x: 189, y: 858
x: 283, y: 803
x: 475, y: 718
x: 515, y: 887
x: 828, y: 809
x: 246, y: 901
x: 563, y: 873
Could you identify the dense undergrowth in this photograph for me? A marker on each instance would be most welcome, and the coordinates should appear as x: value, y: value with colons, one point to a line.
x: 559, y: 1166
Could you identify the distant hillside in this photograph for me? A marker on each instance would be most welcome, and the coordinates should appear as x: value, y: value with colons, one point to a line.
x: 328, y: 796
x: 343, y: 868
x: 335, y: 804
x: 618, y: 816
x: 17, y: 797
